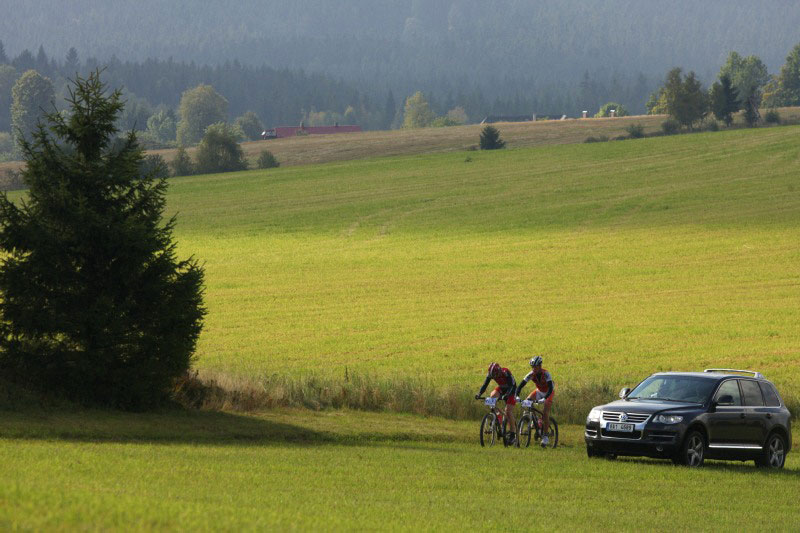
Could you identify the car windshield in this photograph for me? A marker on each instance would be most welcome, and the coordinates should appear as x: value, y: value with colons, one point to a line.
x: 673, y: 389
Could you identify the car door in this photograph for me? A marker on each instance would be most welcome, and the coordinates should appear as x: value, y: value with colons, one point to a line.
x: 772, y: 410
x: 724, y: 423
x: 754, y: 431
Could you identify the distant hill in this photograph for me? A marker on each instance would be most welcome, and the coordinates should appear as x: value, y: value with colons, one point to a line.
x: 444, y: 46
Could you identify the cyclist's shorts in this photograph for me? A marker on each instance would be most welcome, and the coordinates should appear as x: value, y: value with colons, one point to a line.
x: 506, y: 395
x: 540, y: 395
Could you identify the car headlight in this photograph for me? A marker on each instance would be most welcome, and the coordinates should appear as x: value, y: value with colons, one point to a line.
x: 594, y: 415
x: 667, y: 419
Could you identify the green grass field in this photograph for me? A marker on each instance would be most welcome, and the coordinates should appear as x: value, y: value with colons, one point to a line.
x: 340, y: 470
x: 613, y: 259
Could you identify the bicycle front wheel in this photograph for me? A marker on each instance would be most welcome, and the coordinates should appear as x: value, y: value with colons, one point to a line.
x: 552, y: 433
x: 488, y: 430
x: 524, y: 431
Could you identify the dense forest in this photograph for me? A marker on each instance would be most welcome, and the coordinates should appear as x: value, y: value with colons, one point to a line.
x: 503, y: 48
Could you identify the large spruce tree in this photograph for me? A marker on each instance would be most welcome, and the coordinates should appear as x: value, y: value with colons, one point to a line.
x: 94, y: 304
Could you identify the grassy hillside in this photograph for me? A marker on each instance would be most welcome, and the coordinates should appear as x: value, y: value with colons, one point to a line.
x: 614, y: 260
x: 350, y: 471
x: 316, y: 149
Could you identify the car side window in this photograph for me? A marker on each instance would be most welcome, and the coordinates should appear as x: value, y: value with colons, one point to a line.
x: 752, y: 393
x: 770, y: 395
x: 729, y: 388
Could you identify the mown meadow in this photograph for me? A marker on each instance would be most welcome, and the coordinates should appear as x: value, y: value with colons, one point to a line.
x: 345, y: 470
x: 613, y: 260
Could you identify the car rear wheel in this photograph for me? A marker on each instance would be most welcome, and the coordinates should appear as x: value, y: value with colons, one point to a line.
x: 774, y: 454
x: 693, y: 451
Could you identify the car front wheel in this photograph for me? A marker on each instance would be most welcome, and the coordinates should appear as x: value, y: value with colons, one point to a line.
x: 774, y: 454
x: 591, y: 452
x: 693, y: 451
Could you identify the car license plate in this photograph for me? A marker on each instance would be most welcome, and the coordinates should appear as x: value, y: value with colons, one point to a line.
x: 619, y: 427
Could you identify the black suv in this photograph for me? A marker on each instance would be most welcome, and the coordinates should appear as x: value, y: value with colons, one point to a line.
x: 692, y: 416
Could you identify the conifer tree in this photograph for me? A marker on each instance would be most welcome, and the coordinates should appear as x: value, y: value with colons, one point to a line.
x: 490, y: 139
x: 94, y: 304
x: 724, y: 100
x: 751, y: 114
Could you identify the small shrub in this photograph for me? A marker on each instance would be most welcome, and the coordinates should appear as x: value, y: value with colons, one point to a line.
x: 267, y: 160
x: 598, y: 139
x: 712, y: 125
x: 605, y: 111
x: 182, y: 164
x: 490, y: 139
x: 635, y: 131
x: 772, y: 117
x: 670, y: 127
x: 443, y: 122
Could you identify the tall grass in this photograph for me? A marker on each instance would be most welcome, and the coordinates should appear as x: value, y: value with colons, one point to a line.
x: 370, y: 393
x: 214, y: 391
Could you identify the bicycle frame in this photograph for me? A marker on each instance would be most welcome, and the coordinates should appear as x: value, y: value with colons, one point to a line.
x: 493, y: 409
x: 498, y: 416
x: 536, y: 416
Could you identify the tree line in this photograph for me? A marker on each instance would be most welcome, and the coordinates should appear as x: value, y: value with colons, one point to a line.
x: 743, y: 84
x: 258, y: 97
x: 171, y: 103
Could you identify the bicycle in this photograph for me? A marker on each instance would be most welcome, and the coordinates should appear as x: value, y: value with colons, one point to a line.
x: 531, y: 424
x: 493, y: 425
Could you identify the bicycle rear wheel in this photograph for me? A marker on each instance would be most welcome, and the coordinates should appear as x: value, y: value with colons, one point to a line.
x: 503, y: 434
x: 524, y: 431
x: 488, y: 429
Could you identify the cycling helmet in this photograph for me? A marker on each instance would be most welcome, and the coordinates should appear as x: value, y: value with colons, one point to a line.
x: 536, y: 361
x: 494, y: 369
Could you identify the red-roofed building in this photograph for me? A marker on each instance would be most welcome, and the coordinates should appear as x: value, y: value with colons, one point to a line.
x: 295, y: 131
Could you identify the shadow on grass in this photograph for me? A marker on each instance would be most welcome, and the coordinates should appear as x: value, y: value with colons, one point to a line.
x: 171, y: 426
x: 191, y: 427
x: 737, y: 467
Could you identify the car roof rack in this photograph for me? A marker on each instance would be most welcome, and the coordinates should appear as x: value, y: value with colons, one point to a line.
x: 756, y: 375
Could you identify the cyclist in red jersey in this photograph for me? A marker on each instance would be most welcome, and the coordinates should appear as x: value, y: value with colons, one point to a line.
x: 505, y: 390
x: 545, y: 392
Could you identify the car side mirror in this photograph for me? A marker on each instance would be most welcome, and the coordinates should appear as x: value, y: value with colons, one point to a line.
x: 624, y: 393
x: 725, y: 399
